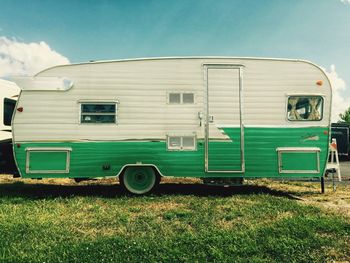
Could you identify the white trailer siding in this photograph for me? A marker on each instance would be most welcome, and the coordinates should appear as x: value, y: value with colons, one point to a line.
x: 141, y: 87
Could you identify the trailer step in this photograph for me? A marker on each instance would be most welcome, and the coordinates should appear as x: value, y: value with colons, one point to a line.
x: 223, y: 181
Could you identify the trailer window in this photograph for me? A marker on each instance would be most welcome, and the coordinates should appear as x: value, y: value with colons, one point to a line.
x: 188, y: 142
x: 181, y: 98
x: 188, y: 98
x: 174, y: 143
x: 98, y: 112
x: 305, y: 108
x: 174, y: 98
x: 182, y: 143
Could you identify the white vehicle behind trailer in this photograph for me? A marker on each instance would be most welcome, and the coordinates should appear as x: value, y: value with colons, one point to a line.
x: 8, y: 96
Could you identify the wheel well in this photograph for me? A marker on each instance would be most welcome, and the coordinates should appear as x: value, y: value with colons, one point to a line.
x: 154, y: 168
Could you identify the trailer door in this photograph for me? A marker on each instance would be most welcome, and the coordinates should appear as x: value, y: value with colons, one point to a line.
x: 224, y: 134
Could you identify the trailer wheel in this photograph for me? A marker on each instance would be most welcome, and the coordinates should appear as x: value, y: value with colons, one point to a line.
x: 139, y: 180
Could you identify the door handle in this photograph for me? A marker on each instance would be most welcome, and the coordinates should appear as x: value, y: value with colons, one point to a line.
x: 211, y: 118
x: 200, y: 117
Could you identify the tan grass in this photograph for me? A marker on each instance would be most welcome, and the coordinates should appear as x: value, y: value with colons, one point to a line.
x: 337, y: 202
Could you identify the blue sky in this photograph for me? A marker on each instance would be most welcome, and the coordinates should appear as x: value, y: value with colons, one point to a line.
x: 84, y: 30
x: 316, y: 30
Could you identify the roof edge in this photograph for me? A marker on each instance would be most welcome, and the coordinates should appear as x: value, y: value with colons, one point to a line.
x: 175, y: 57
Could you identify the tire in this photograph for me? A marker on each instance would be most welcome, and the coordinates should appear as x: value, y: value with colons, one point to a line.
x: 139, y: 180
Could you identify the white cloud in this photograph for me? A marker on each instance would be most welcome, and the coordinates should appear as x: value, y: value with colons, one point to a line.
x: 19, y: 58
x: 339, y: 102
x: 345, y: 1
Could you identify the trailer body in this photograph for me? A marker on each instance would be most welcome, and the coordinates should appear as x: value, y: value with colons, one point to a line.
x: 206, y: 117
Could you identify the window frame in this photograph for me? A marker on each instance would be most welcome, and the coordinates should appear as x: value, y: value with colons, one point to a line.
x: 181, y: 147
x: 308, y: 95
x: 182, y: 92
x: 98, y: 102
x: 297, y: 150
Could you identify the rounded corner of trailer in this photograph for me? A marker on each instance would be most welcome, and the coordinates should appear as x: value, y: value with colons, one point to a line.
x: 321, y: 69
x: 53, y: 67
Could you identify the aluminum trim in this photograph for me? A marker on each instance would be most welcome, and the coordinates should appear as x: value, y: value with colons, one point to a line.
x: 241, y: 117
x: 183, y: 57
x: 226, y: 171
x: 139, y: 164
x: 47, y: 149
x: 13, y: 132
x: 206, y: 126
x: 298, y: 149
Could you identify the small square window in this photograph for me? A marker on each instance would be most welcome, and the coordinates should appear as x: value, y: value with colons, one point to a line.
x: 174, y: 98
x: 175, y: 142
x: 188, y: 98
x: 180, y: 98
x: 98, y: 112
x: 181, y: 143
x: 188, y: 142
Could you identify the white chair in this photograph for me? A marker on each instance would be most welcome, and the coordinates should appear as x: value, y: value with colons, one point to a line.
x: 331, y: 165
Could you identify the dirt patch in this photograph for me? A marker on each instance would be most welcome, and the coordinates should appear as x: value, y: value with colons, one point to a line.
x: 337, y: 201
x: 174, y: 180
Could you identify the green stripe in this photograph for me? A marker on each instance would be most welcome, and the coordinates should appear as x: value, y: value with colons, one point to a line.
x: 88, y: 158
x: 226, y: 155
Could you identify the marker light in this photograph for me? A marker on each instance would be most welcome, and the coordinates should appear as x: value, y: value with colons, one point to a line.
x: 319, y: 82
x: 20, y: 109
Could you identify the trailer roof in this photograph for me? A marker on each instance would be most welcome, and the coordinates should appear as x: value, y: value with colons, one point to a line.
x: 181, y: 57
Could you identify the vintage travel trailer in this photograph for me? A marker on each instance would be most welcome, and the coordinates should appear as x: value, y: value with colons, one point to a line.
x: 221, y: 119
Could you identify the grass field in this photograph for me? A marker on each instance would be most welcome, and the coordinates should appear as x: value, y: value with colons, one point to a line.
x: 60, y: 221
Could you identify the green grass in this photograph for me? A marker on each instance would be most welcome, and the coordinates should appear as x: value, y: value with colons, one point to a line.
x: 179, y: 223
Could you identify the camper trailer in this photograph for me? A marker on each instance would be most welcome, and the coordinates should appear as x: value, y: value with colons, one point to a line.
x: 220, y: 119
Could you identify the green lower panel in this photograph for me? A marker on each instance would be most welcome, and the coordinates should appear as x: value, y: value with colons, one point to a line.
x: 90, y: 159
x: 226, y: 155
x: 47, y: 161
x: 298, y: 161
